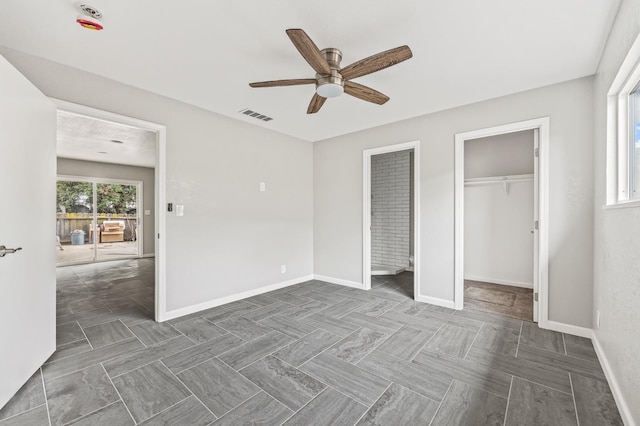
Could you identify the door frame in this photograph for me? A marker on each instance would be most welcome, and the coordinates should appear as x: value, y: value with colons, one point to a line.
x: 541, y: 183
x: 366, y: 210
x: 160, y: 190
x: 94, y: 218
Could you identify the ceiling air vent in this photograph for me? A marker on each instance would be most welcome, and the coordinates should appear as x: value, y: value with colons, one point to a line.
x: 255, y: 114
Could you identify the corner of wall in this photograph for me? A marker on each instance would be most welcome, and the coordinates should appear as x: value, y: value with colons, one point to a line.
x: 616, y: 390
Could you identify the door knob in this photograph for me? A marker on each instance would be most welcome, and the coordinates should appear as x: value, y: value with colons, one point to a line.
x: 4, y: 251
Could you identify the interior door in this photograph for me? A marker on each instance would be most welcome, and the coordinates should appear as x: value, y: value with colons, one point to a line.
x: 536, y: 227
x: 27, y: 194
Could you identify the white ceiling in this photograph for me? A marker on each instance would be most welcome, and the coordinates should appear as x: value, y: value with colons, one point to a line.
x: 206, y: 52
x: 84, y: 138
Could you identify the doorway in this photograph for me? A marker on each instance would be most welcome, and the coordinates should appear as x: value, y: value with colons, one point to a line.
x: 156, y: 246
x: 498, y: 220
x: 390, y: 240
x: 539, y: 129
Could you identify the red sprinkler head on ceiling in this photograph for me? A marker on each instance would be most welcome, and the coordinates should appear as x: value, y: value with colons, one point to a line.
x: 89, y: 23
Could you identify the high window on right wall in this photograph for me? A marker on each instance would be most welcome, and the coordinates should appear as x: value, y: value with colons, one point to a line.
x: 623, y: 133
x: 633, y: 145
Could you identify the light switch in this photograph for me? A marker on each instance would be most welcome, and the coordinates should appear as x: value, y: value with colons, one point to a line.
x: 147, y: 212
x: 179, y: 209
x: 263, y: 186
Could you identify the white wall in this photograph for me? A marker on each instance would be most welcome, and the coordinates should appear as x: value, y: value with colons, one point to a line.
x: 499, y: 155
x: 69, y: 167
x: 616, y: 234
x: 390, y: 203
x: 338, y: 192
x: 498, y: 244
x: 232, y: 238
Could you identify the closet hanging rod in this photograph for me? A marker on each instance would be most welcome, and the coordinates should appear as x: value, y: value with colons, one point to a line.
x: 498, y: 179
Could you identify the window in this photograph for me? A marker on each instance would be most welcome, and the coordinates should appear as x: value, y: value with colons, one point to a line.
x: 634, y: 144
x: 623, y: 141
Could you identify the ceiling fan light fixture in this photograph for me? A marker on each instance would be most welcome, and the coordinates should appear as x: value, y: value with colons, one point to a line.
x: 329, y: 86
x: 330, y: 90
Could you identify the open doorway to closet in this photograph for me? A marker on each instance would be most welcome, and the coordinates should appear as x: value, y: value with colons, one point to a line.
x: 390, y: 218
x: 501, y: 216
x: 499, y: 224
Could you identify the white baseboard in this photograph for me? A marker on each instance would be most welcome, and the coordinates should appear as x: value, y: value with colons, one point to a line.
x: 339, y: 281
x: 435, y: 301
x: 623, y: 407
x: 568, y: 329
x: 176, y: 313
x: 498, y: 281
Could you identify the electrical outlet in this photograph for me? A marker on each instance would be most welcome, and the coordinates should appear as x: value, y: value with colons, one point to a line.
x: 263, y: 186
x: 598, y: 319
x: 283, y: 269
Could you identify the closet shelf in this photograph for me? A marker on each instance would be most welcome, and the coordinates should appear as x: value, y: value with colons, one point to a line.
x: 504, y: 180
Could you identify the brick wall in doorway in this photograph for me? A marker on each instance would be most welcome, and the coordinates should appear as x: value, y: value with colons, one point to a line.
x: 390, y: 203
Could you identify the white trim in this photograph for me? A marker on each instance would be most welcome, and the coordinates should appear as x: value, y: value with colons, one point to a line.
x: 498, y: 281
x: 176, y: 313
x: 366, y: 210
x: 618, y: 396
x: 542, y: 124
x: 574, y: 330
x: 436, y: 301
x: 160, y: 190
x: 617, y: 171
x: 149, y: 255
x: 339, y: 281
x: 366, y: 220
x: 622, y: 205
x: 536, y: 217
x: 387, y: 272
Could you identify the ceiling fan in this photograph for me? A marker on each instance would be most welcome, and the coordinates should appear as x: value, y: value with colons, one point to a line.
x: 331, y: 80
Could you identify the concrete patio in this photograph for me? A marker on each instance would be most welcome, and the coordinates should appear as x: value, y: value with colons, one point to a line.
x: 106, y: 251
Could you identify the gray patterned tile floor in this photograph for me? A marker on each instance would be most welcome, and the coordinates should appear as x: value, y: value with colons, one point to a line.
x: 310, y: 354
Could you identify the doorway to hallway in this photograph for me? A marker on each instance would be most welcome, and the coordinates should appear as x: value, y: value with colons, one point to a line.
x: 391, y: 218
x: 114, y: 158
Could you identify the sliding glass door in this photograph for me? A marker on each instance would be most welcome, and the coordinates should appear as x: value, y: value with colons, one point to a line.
x: 97, y: 220
x: 74, y: 216
x: 117, y: 220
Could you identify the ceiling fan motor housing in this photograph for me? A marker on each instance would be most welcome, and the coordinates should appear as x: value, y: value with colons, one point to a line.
x: 330, y: 85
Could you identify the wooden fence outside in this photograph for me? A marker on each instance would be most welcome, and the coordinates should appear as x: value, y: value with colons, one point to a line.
x: 66, y: 223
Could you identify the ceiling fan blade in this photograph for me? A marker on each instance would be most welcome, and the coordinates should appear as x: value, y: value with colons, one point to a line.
x: 365, y: 93
x: 376, y: 62
x: 278, y: 83
x: 316, y: 103
x: 309, y: 50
